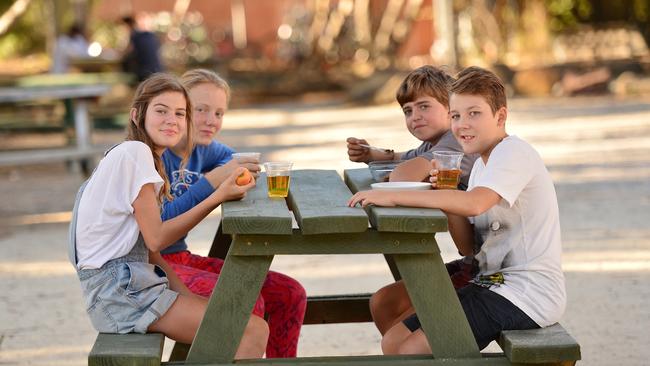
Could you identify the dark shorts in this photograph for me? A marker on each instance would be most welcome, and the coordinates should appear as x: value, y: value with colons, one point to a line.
x: 488, y: 313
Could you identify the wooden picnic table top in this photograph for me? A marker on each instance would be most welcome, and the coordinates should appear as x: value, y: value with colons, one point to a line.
x: 261, y: 227
x: 59, y: 92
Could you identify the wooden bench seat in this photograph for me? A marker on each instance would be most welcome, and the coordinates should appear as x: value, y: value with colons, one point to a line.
x: 127, y: 349
x: 552, y: 345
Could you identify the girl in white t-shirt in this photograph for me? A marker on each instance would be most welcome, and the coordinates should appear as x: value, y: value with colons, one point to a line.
x: 508, y: 219
x: 116, y: 233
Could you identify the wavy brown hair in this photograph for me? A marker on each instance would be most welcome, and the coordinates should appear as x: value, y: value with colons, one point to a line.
x: 425, y: 80
x: 155, y: 85
x: 474, y: 80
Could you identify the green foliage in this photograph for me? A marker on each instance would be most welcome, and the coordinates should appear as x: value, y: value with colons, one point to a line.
x: 567, y: 14
x: 27, y: 34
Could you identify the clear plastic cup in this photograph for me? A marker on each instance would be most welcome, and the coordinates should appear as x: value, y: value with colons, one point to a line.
x: 278, y: 175
x: 448, y: 168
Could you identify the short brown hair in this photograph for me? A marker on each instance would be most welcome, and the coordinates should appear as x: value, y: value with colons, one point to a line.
x: 425, y: 80
x: 478, y: 81
x: 150, y: 88
x: 195, y: 77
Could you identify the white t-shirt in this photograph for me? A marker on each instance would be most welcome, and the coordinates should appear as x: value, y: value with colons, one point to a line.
x: 520, y: 235
x: 106, y: 227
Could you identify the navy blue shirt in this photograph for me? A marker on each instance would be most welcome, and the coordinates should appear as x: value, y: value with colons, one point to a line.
x: 145, y: 57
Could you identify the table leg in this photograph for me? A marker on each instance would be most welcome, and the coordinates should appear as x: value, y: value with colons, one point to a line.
x: 229, y: 308
x: 82, y: 124
x: 220, y: 244
x: 444, y: 322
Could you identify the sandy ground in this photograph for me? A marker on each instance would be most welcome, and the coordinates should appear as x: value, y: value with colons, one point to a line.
x: 597, y: 149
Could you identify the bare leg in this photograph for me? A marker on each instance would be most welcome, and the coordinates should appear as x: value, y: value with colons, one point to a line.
x: 390, y: 305
x: 415, y: 344
x: 183, y: 318
x: 400, y: 340
x: 393, y: 339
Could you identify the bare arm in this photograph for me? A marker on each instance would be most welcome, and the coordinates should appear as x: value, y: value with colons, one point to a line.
x: 217, y: 175
x: 462, y: 232
x: 470, y: 203
x: 175, y: 282
x: 158, y: 234
x: 414, y: 170
x: 362, y: 154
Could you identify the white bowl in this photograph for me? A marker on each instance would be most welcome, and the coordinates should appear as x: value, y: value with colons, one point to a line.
x: 401, y: 186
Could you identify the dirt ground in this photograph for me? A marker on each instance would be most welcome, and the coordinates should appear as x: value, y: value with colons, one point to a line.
x: 597, y: 150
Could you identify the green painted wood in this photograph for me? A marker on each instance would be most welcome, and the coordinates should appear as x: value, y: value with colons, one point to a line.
x: 179, y: 352
x: 256, y: 213
x: 392, y: 266
x: 376, y: 360
x: 396, y: 219
x: 127, y: 349
x: 229, y: 307
x: 319, y: 202
x: 437, y: 305
x: 352, y: 308
x: 358, y: 179
x: 220, y: 244
x: 550, y: 344
x: 353, y: 243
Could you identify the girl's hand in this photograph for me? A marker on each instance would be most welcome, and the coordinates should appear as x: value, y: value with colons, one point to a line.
x: 229, y: 190
x: 379, y: 198
x: 434, y: 174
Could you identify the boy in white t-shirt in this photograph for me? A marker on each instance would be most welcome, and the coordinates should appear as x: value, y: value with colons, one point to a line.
x: 509, y: 212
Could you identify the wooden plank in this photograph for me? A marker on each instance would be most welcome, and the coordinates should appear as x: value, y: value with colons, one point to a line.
x: 396, y: 219
x: 220, y: 244
x: 374, y: 360
x: 437, y: 305
x: 179, y: 352
x: 370, y: 242
x: 127, y: 349
x: 550, y: 344
x: 338, y: 309
x: 256, y: 213
x: 40, y: 156
x: 229, y: 308
x: 319, y: 202
x: 358, y: 179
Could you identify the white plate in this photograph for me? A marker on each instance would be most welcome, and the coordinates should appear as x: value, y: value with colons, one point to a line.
x: 401, y: 185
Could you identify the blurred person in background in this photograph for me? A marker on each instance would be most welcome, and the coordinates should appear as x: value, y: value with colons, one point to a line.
x: 142, y: 56
x: 69, y: 45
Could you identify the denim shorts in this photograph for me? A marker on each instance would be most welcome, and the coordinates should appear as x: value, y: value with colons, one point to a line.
x: 488, y: 313
x: 125, y: 296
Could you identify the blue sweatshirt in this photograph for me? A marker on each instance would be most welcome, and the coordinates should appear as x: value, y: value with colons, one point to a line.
x: 194, y: 187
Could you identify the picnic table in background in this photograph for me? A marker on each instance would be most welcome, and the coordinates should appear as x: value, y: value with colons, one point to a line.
x: 76, y: 91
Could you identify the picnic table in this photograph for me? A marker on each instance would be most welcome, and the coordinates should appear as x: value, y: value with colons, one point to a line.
x: 77, y: 96
x: 261, y: 228
x: 257, y: 228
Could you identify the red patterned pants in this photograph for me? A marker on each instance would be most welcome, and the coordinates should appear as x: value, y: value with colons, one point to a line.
x: 282, y: 298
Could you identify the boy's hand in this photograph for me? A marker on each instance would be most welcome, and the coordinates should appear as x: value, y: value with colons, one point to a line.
x: 357, y: 153
x: 434, y: 174
x: 229, y: 190
x: 379, y: 198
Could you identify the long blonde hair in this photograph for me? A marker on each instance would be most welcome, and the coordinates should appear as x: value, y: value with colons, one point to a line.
x: 155, y: 85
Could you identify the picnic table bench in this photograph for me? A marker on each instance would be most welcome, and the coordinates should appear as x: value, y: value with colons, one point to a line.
x: 261, y: 227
